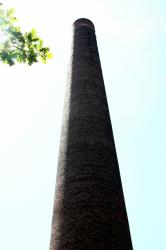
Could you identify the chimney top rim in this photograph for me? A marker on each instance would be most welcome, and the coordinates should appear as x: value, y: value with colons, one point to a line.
x: 83, y: 22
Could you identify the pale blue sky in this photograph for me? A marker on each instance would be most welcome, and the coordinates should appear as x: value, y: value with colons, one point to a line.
x: 131, y: 39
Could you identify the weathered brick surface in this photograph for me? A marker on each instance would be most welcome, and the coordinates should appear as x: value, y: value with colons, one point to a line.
x: 89, y: 210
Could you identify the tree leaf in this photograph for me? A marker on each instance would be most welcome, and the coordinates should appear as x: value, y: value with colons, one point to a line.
x: 18, y: 47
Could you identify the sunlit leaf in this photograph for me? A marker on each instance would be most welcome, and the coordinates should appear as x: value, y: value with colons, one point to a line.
x: 49, y: 55
x: 10, y: 12
x: 16, y: 46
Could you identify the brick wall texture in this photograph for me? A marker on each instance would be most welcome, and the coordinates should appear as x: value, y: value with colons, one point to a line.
x: 89, y: 209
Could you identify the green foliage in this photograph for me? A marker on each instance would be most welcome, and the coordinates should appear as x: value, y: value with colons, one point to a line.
x: 18, y: 47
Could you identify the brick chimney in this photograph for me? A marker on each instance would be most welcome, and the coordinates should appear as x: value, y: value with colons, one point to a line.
x: 89, y: 209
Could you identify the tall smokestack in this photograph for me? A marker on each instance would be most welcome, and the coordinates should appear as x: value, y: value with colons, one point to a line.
x: 89, y: 210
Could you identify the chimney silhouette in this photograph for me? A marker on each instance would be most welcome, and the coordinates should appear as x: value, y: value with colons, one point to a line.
x: 89, y: 209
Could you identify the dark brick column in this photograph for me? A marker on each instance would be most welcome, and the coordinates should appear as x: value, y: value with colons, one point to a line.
x: 89, y: 210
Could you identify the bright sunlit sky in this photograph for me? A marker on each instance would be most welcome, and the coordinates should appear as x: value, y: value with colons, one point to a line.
x: 131, y: 38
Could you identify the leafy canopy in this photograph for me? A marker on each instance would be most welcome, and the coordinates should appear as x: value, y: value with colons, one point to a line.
x: 16, y: 46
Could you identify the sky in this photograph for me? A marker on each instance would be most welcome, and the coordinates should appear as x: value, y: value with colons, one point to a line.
x: 131, y: 38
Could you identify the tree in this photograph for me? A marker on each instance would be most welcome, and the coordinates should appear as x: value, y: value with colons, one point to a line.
x: 16, y: 46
